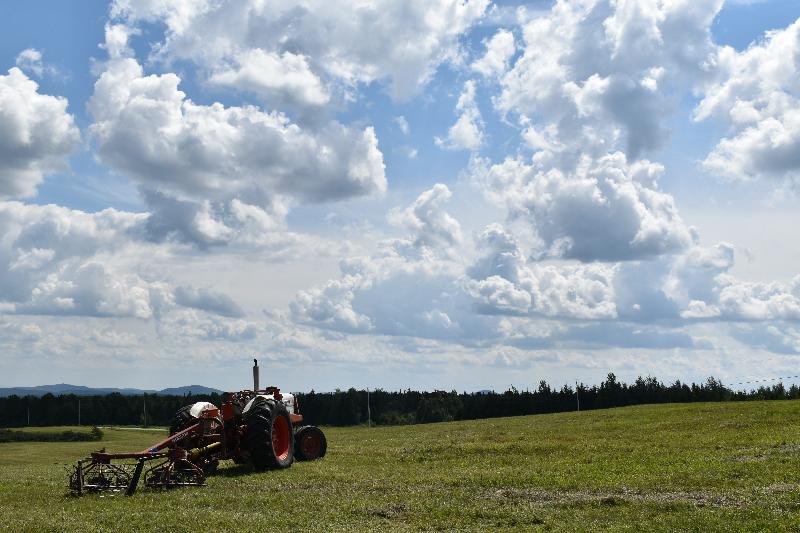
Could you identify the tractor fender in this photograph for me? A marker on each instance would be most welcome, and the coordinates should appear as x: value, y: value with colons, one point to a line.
x: 254, y: 399
x: 287, y: 400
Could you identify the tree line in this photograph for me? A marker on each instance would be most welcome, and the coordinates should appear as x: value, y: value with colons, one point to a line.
x: 351, y: 407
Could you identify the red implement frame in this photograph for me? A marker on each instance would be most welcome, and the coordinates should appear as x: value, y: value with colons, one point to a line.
x: 179, y: 466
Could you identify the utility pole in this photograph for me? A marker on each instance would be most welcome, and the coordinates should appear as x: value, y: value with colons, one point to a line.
x: 79, y: 411
x: 578, y: 396
x: 144, y: 399
x: 29, y: 413
x: 369, y: 414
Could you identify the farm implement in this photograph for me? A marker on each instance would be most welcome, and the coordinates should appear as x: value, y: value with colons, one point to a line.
x: 259, y: 426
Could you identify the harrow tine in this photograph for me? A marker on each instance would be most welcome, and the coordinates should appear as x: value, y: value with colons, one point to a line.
x: 89, y: 475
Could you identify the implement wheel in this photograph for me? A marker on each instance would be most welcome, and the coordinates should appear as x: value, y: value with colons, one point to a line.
x: 269, y: 435
x: 310, y: 443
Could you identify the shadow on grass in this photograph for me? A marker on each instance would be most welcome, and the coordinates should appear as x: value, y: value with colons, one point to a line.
x: 234, y: 471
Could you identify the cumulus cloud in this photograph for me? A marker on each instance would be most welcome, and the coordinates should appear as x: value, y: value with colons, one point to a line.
x: 467, y: 132
x: 757, y: 92
x: 233, y: 224
x: 91, y: 290
x: 607, y: 210
x: 214, y: 174
x: 59, y: 261
x: 148, y: 129
x: 409, y: 288
x: 594, y: 69
x: 36, y: 241
x: 697, y: 286
x: 343, y: 44
x: 590, y: 91
x: 502, y: 281
x: 596, y: 336
x: 36, y: 134
x: 189, y: 323
x: 430, y: 294
x: 208, y: 300
x: 499, y: 51
x: 280, y: 78
x: 499, y: 299
x: 776, y: 338
x: 434, y: 230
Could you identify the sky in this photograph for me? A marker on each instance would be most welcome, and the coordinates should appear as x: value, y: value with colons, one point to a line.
x: 437, y: 194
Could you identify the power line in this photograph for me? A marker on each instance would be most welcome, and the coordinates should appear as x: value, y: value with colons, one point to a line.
x: 763, y: 380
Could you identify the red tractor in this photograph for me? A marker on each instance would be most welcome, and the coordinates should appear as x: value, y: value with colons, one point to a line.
x: 259, y: 426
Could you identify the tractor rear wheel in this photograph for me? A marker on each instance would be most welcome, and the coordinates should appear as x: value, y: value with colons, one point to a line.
x: 309, y: 443
x: 269, y: 435
x: 182, y: 420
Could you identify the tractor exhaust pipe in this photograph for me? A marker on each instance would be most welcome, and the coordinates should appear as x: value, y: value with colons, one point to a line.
x: 255, y: 374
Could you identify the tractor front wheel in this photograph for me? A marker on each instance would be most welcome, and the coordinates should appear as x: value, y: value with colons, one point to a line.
x: 310, y: 443
x: 269, y: 435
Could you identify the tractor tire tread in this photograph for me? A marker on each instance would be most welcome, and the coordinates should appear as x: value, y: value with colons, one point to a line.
x: 305, y: 432
x: 259, y: 420
x: 182, y: 419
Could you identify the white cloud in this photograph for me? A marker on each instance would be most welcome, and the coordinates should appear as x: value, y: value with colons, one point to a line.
x: 503, y: 282
x: 208, y: 300
x: 214, y: 174
x: 37, y: 241
x: 57, y: 261
x: 279, y: 78
x: 148, y: 129
x: 499, y: 50
x: 758, y: 93
x: 36, y: 134
x: 467, y: 132
x: 776, y: 338
x: 410, y: 287
x: 433, y: 293
x: 697, y: 286
x: 231, y: 223
x: 434, y: 230
x: 53, y: 261
x: 344, y: 43
x: 91, y: 290
x: 402, y: 123
x: 607, y: 210
x: 590, y: 68
x: 30, y: 60
x: 189, y: 323
x: 590, y: 91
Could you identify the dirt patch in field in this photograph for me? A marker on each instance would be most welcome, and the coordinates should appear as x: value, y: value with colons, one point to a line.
x: 543, y: 497
x: 780, y: 488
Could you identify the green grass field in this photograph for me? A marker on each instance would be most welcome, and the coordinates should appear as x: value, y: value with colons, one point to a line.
x: 701, y: 467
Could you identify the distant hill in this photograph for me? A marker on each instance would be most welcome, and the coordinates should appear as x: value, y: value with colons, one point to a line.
x: 193, y: 389
x: 80, y: 390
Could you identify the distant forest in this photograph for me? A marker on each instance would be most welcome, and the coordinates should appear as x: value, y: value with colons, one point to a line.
x: 347, y: 408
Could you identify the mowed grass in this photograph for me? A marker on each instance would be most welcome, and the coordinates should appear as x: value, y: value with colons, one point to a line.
x: 702, y: 467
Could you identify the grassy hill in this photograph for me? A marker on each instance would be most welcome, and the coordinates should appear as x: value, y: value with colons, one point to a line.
x: 721, y: 466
